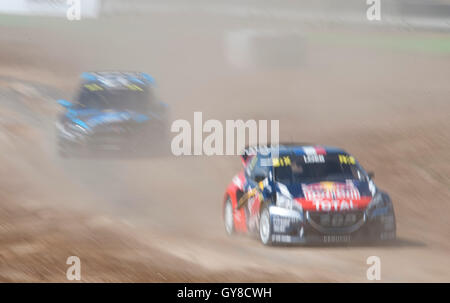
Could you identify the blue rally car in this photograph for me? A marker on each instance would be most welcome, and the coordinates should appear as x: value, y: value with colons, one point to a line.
x: 115, y: 111
x: 295, y: 193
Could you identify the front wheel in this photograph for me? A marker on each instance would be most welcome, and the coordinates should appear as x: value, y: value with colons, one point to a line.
x: 229, y: 217
x: 265, y: 227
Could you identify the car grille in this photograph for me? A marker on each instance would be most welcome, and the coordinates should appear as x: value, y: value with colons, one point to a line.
x: 114, y: 134
x: 114, y: 129
x: 124, y: 134
x: 108, y: 139
x: 326, y: 222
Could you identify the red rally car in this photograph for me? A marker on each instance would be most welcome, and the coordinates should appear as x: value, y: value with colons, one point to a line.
x: 296, y: 193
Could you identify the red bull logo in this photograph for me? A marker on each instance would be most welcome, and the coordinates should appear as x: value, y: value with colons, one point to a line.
x: 331, y: 191
x: 331, y: 196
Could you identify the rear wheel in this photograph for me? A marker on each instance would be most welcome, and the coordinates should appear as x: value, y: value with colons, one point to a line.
x: 229, y: 217
x: 265, y: 227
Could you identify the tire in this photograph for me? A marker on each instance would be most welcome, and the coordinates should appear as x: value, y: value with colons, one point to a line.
x: 228, y: 217
x: 265, y: 227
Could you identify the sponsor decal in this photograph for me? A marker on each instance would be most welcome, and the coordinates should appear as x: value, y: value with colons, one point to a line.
x: 314, y: 159
x: 314, y: 150
x: 93, y: 87
x: 331, y: 196
x: 331, y: 191
x: 281, y: 224
x: 336, y: 238
x: 335, y: 205
x: 282, y: 161
x: 344, y: 159
x: 281, y: 238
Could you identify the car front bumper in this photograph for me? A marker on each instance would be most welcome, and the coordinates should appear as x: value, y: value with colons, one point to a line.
x: 291, y: 226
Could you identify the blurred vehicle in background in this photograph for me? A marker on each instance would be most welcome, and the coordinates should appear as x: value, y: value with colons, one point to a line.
x: 114, y: 111
x: 304, y: 194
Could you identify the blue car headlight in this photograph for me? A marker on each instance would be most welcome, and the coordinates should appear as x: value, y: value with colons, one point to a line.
x: 71, y: 131
x: 76, y: 130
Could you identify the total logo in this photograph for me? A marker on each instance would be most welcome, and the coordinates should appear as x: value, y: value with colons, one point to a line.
x: 335, y: 205
x: 331, y: 196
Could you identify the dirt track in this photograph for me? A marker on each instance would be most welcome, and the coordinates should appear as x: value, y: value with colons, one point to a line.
x: 160, y: 219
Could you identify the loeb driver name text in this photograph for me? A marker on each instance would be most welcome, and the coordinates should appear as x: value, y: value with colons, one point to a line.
x: 226, y: 292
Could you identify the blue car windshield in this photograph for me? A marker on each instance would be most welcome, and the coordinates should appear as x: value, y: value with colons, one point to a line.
x: 114, y: 99
x: 295, y: 169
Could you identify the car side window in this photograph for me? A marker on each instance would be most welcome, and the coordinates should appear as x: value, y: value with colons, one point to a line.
x: 259, y: 169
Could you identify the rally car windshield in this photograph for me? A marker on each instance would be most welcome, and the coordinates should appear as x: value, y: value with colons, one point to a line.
x: 299, y: 169
x: 116, y: 99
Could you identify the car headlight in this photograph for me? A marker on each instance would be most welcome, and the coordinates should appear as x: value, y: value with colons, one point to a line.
x: 378, y: 205
x: 69, y: 130
x: 76, y: 129
x: 288, y: 203
x: 285, y: 202
x: 378, y: 201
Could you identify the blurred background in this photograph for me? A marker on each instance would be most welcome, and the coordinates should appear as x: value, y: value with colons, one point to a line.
x: 379, y: 89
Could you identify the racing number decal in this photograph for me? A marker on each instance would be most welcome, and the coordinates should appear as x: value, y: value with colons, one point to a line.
x: 134, y: 87
x: 93, y: 87
x: 344, y: 159
x: 282, y: 161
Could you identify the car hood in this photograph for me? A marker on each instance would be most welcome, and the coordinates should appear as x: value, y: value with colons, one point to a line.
x: 330, y: 196
x: 90, y: 118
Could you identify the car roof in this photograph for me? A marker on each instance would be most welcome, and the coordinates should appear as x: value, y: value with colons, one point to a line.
x: 293, y: 148
x: 117, y: 79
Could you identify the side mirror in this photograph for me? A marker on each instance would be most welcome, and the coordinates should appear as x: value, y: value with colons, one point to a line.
x: 65, y: 103
x: 371, y: 175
